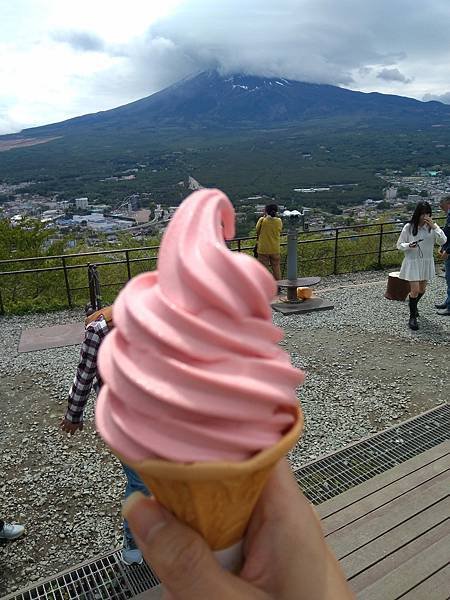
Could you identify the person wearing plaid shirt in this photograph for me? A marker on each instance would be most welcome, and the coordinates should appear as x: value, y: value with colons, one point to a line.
x: 97, y: 328
x: 86, y: 377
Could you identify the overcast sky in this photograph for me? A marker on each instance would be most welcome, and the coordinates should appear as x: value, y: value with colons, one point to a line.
x: 62, y: 58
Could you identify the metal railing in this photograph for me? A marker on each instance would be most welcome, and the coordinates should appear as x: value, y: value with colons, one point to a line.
x: 333, y: 236
x: 66, y: 268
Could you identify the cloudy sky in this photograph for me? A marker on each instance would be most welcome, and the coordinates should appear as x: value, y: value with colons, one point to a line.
x: 62, y: 58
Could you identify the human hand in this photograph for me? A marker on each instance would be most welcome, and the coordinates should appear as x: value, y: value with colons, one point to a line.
x: 444, y: 254
x: 429, y: 221
x: 69, y: 427
x: 285, y: 552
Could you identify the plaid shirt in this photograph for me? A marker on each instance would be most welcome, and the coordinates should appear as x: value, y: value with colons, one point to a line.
x: 86, y: 376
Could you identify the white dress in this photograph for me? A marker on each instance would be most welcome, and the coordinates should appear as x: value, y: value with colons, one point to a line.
x: 418, y: 264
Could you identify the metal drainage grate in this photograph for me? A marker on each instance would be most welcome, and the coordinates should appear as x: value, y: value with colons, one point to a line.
x: 320, y: 480
x: 104, y: 578
x: 329, y: 476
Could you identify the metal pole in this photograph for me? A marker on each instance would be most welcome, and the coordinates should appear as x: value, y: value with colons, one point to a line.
x: 127, y: 255
x: 94, y: 287
x: 292, y: 220
x: 292, y: 255
x: 380, y: 246
x: 66, y: 279
x: 336, y: 239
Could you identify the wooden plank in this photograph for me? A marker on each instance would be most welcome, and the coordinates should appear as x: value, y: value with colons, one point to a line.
x: 369, y: 554
x: 379, y: 521
x: 379, y: 481
x: 435, y: 587
x: 396, y: 582
x: 387, y: 494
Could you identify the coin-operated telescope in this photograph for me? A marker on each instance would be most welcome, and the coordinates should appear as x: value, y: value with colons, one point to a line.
x: 294, y: 220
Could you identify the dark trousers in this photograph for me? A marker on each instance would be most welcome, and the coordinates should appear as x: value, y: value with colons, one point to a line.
x: 447, y: 279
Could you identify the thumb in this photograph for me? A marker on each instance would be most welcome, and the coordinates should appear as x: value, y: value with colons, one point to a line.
x: 178, y: 554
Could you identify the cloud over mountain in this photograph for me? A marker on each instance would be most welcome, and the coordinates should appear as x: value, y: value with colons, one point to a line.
x: 348, y: 43
x: 393, y: 75
x: 102, y: 56
x: 80, y: 40
x: 445, y: 98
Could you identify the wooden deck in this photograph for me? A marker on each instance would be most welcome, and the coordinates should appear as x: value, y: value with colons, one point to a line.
x: 392, y: 533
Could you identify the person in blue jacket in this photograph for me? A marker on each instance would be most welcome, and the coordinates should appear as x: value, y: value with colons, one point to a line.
x: 444, y: 307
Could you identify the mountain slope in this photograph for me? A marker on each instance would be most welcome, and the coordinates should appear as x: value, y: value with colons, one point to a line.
x: 247, y: 135
x: 210, y: 100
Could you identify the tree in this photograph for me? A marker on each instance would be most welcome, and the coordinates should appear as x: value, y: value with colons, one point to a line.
x: 23, y: 240
x: 403, y: 192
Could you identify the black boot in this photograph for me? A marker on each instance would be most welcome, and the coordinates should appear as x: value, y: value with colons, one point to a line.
x: 412, y: 323
x: 418, y: 298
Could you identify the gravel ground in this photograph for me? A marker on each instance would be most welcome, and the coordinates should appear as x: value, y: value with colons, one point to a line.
x: 365, y: 371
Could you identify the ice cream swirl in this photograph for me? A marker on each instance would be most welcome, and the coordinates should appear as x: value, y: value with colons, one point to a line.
x: 193, y: 370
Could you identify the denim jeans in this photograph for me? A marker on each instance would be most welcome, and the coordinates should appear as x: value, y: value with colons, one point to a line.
x: 134, y: 484
x: 447, y: 279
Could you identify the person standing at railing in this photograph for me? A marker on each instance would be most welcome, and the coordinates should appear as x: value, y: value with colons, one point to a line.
x: 98, y: 325
x: 444, y: 307
x: 268, y: 233
x: 417, y: 241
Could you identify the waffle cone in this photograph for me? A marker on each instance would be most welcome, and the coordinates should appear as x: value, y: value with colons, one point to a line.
x: 215, y: 498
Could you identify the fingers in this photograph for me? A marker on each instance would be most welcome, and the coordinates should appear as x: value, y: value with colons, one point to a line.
x: 180, y: 557
x: 283, y: 529
x: 286, y: 550
x: 282, y: 492
x: 275, y: 500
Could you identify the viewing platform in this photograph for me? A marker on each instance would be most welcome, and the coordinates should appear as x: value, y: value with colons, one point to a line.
x: 391, y: 533
x: 374, y: 456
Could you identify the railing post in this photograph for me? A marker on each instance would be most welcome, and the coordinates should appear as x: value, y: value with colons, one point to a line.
x: 127, y: 255
x: 66, y: 279
x: 380, y: 245
x: 239, y: 244
x: 336, y: 239
x: 2, y: 308
x: 94, y: 287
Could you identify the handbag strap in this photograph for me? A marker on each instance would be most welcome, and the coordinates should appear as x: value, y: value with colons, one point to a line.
x: 260, y: 229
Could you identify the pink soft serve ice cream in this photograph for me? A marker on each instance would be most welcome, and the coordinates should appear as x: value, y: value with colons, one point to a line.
x: 193, y: 370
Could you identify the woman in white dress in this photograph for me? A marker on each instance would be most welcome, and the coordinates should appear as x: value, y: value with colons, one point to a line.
x: 417, y: 241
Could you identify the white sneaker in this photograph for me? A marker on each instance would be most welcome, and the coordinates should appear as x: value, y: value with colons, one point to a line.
x: 11, y: 531
x: 131, y: 555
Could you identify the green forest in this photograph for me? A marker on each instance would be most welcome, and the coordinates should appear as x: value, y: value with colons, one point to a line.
x: 242, y: 163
